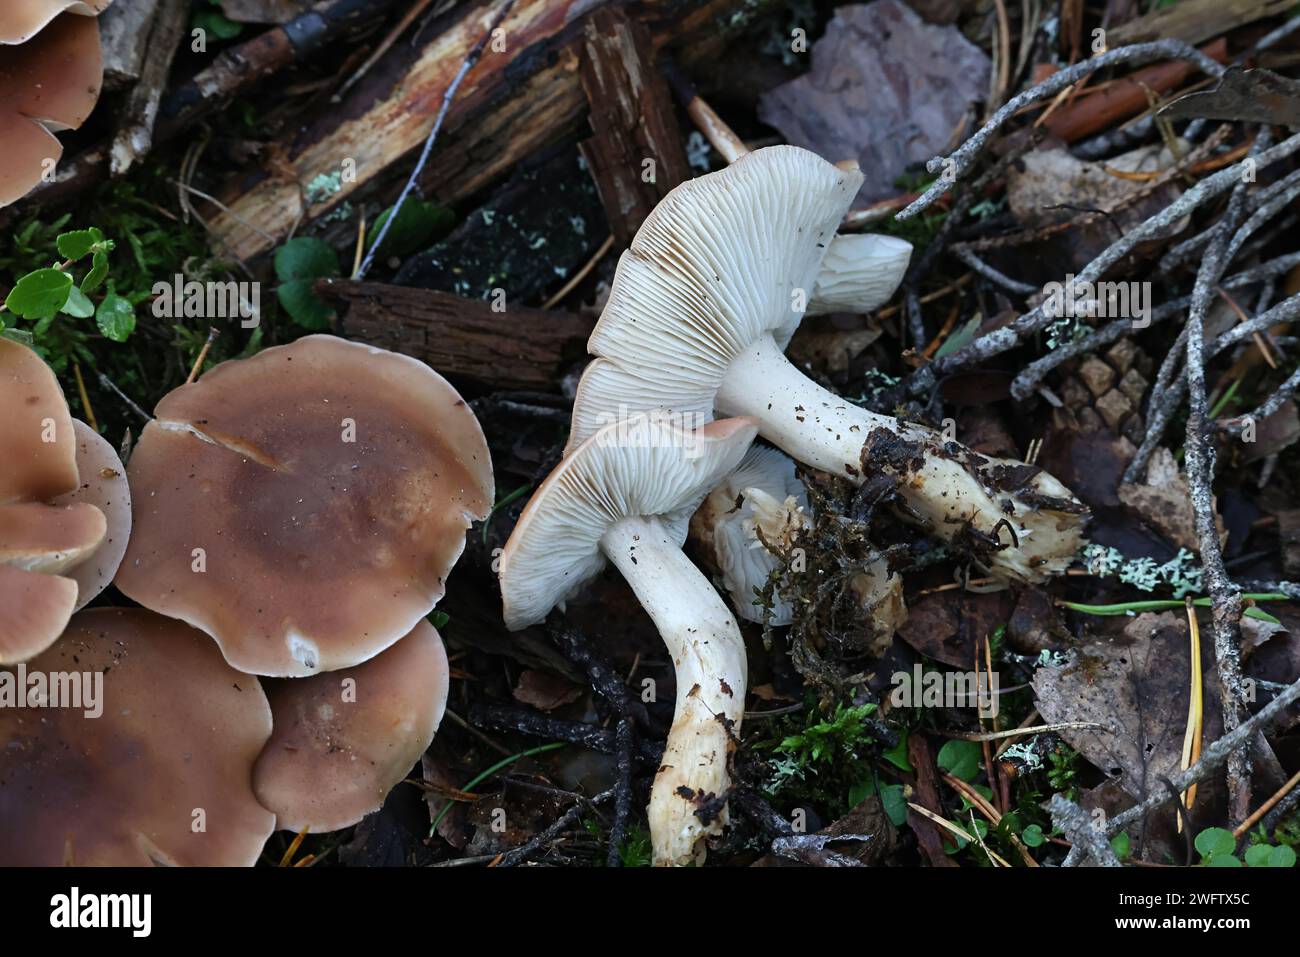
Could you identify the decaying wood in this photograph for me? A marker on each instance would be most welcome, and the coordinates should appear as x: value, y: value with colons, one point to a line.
x: 523, y: 95
x: 123, y: 38
x: 520, y: 348
x: 135, y: 135
x: 1194, y: 21
x: 631, y: 114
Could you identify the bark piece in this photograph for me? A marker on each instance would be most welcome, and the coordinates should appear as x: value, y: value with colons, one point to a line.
x: 633, y: 121
x: 520, y: 348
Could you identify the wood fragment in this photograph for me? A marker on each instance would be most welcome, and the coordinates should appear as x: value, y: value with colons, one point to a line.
x: 1195, y: 21
x: 631, y: 115
x: 135, y: 135
x: 520, y: 348
x: 524, y: 95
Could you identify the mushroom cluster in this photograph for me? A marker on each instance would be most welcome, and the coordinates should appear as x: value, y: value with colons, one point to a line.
x: 702, y: 307
x: 304, y: 508
x: 65, y: 508
x: 296, y: 515
x: 50, y: 77
x: 644, y: 455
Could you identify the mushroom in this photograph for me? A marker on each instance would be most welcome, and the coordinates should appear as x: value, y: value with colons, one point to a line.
x: 154, y: 763
x: 762, y: 504
x: 304, y: 506
x: 627, y: 495
x: 859, y: 273
x: 103, y: 485
x: 704, y: 302
x: 36, y: 436
x: 20, y: 20
x: 47, y: 84
x: 48, y: 528
x: 343, y: 740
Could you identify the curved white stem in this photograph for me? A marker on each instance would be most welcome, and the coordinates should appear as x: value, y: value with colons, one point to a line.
x: 709, y: 658
x: 947, y: 485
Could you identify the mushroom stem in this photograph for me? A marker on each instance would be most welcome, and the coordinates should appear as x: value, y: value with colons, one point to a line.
x: 1027, y: 522
x: 709, y: 660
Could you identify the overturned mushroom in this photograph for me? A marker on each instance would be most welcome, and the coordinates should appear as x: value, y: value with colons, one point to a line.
x: 757, y: 510
x: 129, y: 743
x: 343, y: 740
x: 626, y: 495
x: 305, y: 506
x: 700, y: 311
x: 749, y: 526
x: 49, y: 83
x: 102, y: 484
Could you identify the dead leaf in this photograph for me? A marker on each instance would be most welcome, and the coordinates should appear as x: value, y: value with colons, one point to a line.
x: 1136, y: 686
x: 886, y: 88
x: 947, y: 626
x: 1164, y: 502
x: 545, y: 691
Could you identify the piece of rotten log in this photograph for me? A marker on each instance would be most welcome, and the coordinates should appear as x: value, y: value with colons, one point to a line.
x: 1194, y: 21
x: 123, y: 36
x: 636, y: 155
x: 134, y: 137
x: 520, y: 348
x: 1100, y: 109
x: 523, y: 95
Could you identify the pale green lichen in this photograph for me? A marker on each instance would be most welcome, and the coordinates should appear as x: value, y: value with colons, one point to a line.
x: 1181, y: 573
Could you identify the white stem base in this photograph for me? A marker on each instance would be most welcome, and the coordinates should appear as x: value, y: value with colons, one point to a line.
x: 709, y: 658
x: 827, y: 432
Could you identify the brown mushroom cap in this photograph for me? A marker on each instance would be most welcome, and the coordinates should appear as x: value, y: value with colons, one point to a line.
x: 103, y: 485
x: 32, y: 410
x: 48, y: 84
x: 34, y: 609
x: 343, y: 740
x: 20, y: 20
x: 49, y: 538
x: 162, y: 776
x: 318, y: 552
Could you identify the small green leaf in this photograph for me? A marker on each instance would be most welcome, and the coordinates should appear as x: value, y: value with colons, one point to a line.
x: 78, y: 306
x: 1121, y: 845
x: 98, y: 271
x: 1258, y: 855
x: 305, y: 258
x: 960, y: 338
x: 75, y: 245
x: 961, y: 759
x: 218, y: 25
x: 1223, y: 860
x: 19, y: 335
x: 40, y: 294
x: 894, y: 803
x: 1215, y: 841
x: 439, y: 619
x: 897, y: 755
x: 1033, y: 836
x: 418, y: 223
x: 115, y: 317
x: 300, y: 302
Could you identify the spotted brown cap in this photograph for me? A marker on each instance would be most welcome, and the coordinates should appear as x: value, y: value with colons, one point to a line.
x: 48, y: 84
x: 36, y: 436
x: 151, y: 764
x: 305, y: 506
x: 343, y: 740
